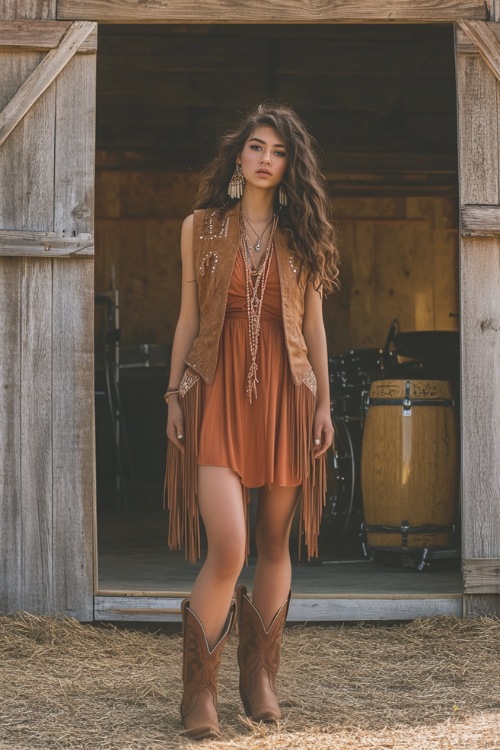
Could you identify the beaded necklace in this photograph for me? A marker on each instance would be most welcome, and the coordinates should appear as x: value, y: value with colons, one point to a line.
x: 255, y: 282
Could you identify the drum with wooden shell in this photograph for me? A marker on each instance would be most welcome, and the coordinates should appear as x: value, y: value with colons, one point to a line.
x: 409, y: 465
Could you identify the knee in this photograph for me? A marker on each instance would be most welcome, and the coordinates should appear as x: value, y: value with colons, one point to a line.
x: 227, y: 558
x: 273, y: 546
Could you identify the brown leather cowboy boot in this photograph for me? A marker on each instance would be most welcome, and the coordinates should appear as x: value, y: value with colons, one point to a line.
x: 259, y: 657
x: 200, y: 669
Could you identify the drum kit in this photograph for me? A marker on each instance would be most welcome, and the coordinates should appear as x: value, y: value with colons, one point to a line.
x: 393, y: 474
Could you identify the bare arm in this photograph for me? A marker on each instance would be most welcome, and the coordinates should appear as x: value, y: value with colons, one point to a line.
x: 185, y: 331
x: 313, y: 329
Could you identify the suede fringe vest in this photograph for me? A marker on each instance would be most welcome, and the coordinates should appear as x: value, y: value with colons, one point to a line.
x: 215, y: 246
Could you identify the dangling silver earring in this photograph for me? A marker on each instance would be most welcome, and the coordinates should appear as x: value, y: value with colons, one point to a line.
x: 236, y: 183
x: 282, y: 196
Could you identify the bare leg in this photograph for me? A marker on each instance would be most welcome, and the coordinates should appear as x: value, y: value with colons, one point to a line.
x: 273, y: 573
x: 221, y: 506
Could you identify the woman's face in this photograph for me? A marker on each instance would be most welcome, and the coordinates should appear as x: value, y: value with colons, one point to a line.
x: 264, y: 158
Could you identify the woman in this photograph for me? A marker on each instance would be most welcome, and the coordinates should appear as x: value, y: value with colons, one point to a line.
x: 252, y: 409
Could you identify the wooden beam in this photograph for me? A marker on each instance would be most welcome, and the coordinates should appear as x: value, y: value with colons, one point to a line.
x: 494, y: 9
x: 39, y: 36
x: 486, y: 42
x: 166, y: 608
x: 481, y: 575
x: 43, y: 76
x: 278, y: 11
x: 44, y: 244
x: 480, y: 221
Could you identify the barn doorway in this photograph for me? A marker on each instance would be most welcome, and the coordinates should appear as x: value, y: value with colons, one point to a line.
x: 381, y: 102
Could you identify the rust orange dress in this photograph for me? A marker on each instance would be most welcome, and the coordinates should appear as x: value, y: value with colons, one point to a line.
x: 266, y: 442
x: 253, y: 439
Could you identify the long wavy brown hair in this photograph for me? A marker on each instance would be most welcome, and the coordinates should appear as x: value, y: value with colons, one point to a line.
x: 308, y: 215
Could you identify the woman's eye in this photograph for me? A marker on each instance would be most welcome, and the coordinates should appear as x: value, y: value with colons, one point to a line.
x: 280, y: 153
x: 255, y: 147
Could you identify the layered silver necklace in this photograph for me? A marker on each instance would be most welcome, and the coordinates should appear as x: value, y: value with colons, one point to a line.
x: 258, y: 244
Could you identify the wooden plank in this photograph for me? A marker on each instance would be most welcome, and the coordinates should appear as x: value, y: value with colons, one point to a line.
x: 478, y: 136
x: 494, y: 9
x: 480, y: 221
x: 24, y: 9
x: 10, y: 436
x: 36, y: 435
x: 464, y: 43
x: 482, y: 605
x: 44, y: 244
x: 42, y: 77
x: 39, y: 36
x: 333, y: 609
x: 480, y: 400
x: 73, y: 352
x: 262, y: 11
x: 486, y: 41
x: 481, y: 576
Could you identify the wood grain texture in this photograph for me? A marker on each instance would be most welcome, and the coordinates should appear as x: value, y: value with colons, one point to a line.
x: 481, y: 605
x: 39, y: 36
x: 36, y: 434
x: 10, y: 435
x: 494, y: 9
x: 478, y: 124
x: 167, y: 609
x: 486, y: 41
x: 481, y: 576
x: 478, y: 135
x: 41, y: 78
x: 480, y: 221
x: 44, y: 244
x: 51, y: 526
x: 464, y: 42
x: 73, y: 351
x: 28, y: 9
x: 480, y: 281
x: 279, y: 11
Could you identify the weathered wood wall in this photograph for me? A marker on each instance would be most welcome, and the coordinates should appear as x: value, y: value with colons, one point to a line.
x: 262, y: 11
x: 479, y: 146
x: 46, y: 314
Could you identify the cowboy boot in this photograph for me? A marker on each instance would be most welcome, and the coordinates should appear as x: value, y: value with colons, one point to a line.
x: 259, y: 657
x: 200, y: 669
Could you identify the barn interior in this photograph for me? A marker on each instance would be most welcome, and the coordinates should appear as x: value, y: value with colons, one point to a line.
x: 380, y: 100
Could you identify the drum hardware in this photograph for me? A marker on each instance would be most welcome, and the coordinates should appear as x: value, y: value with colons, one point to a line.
x: 407, y: 400
x: 405, y: 529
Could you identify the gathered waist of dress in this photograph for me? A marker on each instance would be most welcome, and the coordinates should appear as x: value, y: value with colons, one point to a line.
x: 235, y: 314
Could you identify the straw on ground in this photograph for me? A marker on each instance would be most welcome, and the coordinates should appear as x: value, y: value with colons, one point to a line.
x: 432, y: 683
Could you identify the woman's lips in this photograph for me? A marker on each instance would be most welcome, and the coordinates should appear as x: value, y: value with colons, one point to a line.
x: 264, y: 171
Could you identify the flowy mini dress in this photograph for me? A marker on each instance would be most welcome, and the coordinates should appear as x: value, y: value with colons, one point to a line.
x: 265, y: 441
x: 253, y: 438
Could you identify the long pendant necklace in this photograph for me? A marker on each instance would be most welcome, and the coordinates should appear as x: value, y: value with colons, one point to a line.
x: 257, y: 245
x: 255, y: 283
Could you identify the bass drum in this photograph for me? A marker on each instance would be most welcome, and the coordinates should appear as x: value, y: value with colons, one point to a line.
x: 342, y: 517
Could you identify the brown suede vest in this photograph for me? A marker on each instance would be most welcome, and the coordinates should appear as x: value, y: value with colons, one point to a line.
x: 215, y: 245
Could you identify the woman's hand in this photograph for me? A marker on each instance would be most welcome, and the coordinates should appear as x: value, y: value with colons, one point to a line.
x: 322, y: 430
x: 175, y: 423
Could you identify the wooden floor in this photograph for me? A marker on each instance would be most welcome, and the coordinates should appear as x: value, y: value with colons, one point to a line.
x: 155, y: 570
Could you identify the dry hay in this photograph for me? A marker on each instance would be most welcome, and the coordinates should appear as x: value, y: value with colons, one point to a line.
x: 432, y: 683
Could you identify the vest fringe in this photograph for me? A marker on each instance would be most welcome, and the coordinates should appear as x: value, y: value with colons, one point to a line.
x: 306, y: 466
x: 181, y: 490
